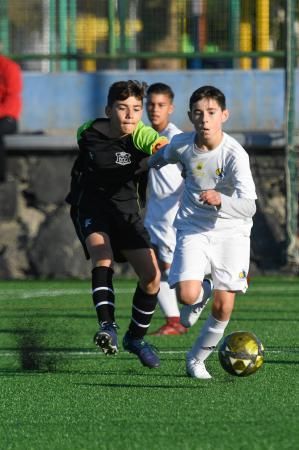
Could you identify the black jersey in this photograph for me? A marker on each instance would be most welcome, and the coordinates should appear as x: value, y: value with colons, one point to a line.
x: 103, y: 175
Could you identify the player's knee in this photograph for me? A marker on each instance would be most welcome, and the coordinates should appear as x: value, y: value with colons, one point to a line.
x: 186, y: 295
x: 150, y: 281
x: 222, y: 310
x: 187, y: 300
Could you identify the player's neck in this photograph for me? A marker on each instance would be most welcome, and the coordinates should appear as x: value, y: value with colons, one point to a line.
x: 110, y: 131
x: 160, y: 127
x: 208, y: 144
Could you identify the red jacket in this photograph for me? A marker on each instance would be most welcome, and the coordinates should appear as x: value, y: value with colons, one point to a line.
x: 10, y: 88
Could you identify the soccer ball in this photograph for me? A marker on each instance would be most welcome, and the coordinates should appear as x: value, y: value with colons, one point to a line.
x: 241, y: 353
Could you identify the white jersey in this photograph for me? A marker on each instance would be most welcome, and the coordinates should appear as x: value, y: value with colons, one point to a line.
x: 225, y: 169
x: 168, y: 180
x: 164, y: 191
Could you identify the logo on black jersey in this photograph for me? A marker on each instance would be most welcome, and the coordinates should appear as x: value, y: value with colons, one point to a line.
x: 87, y: 222
x: 123, y: 158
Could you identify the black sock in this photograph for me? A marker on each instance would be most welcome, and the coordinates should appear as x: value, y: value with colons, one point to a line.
x: 143, y: 309
x: 103, y: 293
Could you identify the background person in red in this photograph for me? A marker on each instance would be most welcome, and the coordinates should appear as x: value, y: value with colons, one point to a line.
x: 10, y: 104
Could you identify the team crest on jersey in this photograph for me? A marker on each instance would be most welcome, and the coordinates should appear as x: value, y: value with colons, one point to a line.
x: 197, y: 169
x: 220, y: 173
x: 242, y: 274
x: 123, y: 158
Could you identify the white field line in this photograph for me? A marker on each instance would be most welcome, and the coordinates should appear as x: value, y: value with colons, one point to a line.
x: 40, y: 293
x: 97, y: 353
x: 19, y: 294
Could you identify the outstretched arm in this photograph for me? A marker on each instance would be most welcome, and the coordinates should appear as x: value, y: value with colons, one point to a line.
x: 155, y: 161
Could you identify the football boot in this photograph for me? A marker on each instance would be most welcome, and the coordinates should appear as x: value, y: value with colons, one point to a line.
x: 196, y: 368
x: 106, y: 338
x: 170, y: 329
x: 146, y: 352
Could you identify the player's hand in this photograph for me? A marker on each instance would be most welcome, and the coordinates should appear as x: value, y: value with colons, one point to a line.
x: 160, y: 142
x: 210, y: 197
x: 143, y: 166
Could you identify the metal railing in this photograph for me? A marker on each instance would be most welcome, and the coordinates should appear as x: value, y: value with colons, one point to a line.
x: 62, y: 35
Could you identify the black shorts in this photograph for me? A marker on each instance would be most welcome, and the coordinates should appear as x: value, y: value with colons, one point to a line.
x: 126, y: 231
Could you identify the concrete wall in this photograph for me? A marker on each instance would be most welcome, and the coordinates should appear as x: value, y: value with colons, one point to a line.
x: 65, y: 100
x: 37, y: 239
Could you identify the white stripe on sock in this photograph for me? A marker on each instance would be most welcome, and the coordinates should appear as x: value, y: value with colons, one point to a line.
x: 140, y: 324
x: 143, y: 312
x: 104, y: 303
x: 103, y: 288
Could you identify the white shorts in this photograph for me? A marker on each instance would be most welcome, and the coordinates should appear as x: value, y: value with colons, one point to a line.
x: 164, y: 240
x: 228, y: 258
x: 158, y: 221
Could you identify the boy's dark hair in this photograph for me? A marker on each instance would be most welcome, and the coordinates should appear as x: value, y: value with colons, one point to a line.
x: 208, y: 92
x: 160, y: 88
x: 121, y: 90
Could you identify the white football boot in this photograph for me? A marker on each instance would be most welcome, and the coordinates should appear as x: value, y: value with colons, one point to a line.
x: 190, y: 314
x: 196, y: 368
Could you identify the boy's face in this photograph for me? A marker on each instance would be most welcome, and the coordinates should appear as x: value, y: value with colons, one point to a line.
x: 124, y: 115
x: 159, y: 107
x: 207, y: 118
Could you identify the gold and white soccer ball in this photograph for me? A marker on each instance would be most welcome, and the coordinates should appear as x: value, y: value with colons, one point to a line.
x: 241, y: 353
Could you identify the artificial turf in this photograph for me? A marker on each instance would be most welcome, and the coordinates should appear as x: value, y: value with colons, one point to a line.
x: 59, y: 392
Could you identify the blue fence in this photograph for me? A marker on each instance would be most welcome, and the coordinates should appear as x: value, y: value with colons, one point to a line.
x: 65, y: 100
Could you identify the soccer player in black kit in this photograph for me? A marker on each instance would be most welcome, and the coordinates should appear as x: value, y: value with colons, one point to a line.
x: 105, y: 212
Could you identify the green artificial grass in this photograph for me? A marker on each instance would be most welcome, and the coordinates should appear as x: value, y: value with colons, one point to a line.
x: 59, y: 392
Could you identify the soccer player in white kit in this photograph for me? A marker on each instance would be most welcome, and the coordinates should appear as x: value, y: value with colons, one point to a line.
x: 164, y: 191
x: 213, y: 222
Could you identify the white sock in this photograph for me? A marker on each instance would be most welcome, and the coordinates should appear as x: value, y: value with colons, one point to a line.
x: 208, y: 339
x: 167, y: 297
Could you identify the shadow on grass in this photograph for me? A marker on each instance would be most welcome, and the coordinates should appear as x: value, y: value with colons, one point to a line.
x: 31, y: 354
x: 142, y: 386
x: 280, y: 361
x: 31, y: 348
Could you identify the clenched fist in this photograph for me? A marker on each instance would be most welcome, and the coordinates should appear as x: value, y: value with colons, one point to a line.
x: 210, y: 197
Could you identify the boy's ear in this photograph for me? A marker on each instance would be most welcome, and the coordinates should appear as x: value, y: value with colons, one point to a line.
x: 225, y: 115
x: 190, y: 116
x: 108, y: 111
